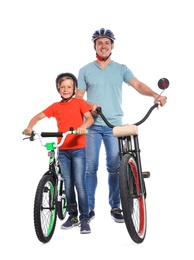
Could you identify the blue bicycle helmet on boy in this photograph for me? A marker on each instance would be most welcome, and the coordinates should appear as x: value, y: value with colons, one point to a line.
x: 103, y: 33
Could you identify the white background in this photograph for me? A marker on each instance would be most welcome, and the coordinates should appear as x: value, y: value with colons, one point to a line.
x: 154, y: 38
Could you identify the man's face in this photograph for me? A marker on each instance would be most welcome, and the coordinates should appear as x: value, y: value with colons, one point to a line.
x: 103, y: 47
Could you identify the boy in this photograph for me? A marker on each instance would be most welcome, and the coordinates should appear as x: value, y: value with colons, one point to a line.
x: 76, y: 113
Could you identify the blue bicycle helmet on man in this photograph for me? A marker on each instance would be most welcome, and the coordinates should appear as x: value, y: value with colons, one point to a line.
x: 103, y: 33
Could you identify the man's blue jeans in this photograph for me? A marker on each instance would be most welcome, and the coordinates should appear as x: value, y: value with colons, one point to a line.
x: 73, y: 167
x: 94, y: 138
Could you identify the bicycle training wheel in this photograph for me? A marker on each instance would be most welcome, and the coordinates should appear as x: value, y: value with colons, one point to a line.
x: 45, y: 213
x: 133, y: 204
x: 61, y: 201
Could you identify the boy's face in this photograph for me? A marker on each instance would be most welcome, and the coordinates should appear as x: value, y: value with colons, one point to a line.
x: 103, y: 47
x: 66, y: 88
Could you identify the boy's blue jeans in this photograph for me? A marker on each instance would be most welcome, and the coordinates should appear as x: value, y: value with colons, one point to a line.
x: 97, y: 134
x: 73, y: 167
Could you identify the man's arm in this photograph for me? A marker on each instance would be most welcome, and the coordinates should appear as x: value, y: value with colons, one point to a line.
x: 80, y: 94
x: 143, y: 89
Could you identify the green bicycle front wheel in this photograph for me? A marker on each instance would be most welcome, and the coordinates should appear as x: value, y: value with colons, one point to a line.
x: 45, y: 212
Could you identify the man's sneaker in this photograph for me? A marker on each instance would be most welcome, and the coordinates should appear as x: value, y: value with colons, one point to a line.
x: 91, y: 214
x: 84, y: 226
x: 117, y: 216
x: 71, y: 222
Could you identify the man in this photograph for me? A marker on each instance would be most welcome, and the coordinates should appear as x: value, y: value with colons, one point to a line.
x: 102, y: 79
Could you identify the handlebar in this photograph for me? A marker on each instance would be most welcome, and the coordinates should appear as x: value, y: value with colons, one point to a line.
x: 51, y: 134
x: 99, y: 111
x: 59, y: 134
x: 147, y: 114
x: 120, y: 131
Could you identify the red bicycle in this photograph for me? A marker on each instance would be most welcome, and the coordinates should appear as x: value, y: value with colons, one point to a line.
x: 132, y: 184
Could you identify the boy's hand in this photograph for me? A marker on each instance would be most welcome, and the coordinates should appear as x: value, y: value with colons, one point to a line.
x: 27, y: 131
x: 81, y: 131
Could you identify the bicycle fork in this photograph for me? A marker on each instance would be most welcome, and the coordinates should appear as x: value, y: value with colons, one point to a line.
x: 54, y: 169
x: 130, y: 144
x: 60, y: 194
x: 139, y: 167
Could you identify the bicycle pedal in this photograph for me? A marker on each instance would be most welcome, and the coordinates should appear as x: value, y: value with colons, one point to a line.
x: 146, y: 174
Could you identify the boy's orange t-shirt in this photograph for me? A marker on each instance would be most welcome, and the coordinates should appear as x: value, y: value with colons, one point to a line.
x: 69, y: 114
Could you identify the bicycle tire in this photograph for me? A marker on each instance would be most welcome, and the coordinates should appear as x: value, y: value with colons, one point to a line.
x: 133, y: 205
x: 45, y: 212
x: 62, y: 201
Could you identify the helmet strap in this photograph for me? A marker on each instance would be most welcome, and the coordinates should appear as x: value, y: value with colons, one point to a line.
x: 102, y: 59
x: 66, y: 99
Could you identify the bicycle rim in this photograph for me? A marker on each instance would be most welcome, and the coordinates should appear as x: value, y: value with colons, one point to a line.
x: 133, y: 205
x: 45, y: 209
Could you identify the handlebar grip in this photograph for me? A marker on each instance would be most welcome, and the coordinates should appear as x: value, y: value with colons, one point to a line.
x: 31, y: 137
x: 98, y: 110
x: 85, y: 132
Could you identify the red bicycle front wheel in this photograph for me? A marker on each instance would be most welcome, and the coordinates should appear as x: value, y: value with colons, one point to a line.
x: 133, y: 203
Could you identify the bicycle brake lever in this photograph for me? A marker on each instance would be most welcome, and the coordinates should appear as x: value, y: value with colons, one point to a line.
x: 32, y: 136
x: 26, y: 138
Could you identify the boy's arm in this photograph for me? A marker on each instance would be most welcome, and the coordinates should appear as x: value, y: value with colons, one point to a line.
x: 89, y: 120
x: 33, y: 122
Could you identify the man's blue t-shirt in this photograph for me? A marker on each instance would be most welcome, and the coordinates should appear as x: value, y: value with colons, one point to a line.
x: 104, y: 87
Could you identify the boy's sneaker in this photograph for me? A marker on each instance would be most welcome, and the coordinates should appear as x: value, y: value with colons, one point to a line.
x: 91, y: 214
x: 71, y: 222
x: 117, y: 216
x: 84, y: 226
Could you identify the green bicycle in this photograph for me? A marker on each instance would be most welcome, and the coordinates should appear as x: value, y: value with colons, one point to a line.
x: 50, y: 199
